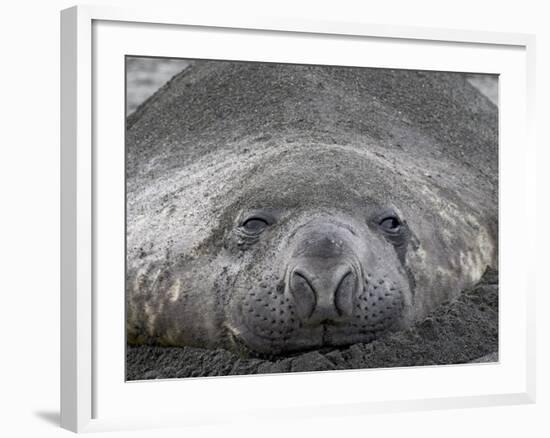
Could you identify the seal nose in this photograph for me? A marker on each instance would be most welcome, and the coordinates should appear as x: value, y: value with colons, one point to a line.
x: 322, y: 293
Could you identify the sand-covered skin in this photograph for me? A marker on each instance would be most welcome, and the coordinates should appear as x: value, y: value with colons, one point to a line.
x: 462, y: 331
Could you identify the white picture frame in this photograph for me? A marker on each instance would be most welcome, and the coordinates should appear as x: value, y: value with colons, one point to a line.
x: 93, y: 397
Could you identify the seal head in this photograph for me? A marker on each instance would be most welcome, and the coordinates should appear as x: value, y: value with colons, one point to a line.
x: 350, y: 220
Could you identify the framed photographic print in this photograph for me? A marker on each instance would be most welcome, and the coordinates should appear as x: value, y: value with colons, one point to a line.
x: 253, y: 208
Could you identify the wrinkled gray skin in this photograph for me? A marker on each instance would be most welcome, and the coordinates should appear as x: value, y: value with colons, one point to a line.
x: 275, y: 208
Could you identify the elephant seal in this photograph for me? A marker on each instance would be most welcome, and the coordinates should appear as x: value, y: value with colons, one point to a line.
x: 274, y: 209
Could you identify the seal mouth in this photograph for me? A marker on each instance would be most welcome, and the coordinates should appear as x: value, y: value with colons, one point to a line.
x: 331, y: 335
x: 244, y: 349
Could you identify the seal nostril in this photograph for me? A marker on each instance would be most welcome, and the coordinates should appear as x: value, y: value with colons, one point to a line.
x: 304, y: 294
x: 344, y: 294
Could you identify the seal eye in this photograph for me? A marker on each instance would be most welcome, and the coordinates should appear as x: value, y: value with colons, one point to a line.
x: 390, y: 224
x: 254, y: 225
